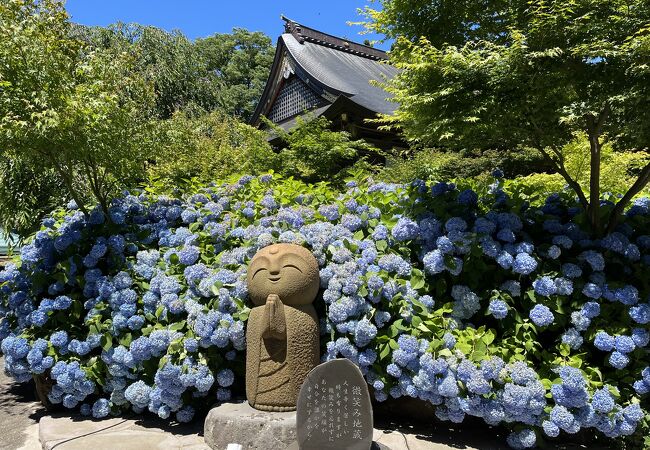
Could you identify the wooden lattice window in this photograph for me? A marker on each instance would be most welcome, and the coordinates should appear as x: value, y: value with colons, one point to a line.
x: 294, y: 98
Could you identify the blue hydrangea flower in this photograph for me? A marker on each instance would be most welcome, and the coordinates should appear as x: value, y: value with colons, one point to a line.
x: 554, y: 252
x: 351, y: 221
x: 225, y: 377
x: 594, y: 259
x: 138, y: 394
x: 59, y: 339
x: 394, y: 370
x: 572, y: 338
x: 591, y: 310
x: 641, y: 313
x: 627, y: 295
x: 455, y: 224
x: 580, y: 321
x: 592, y: 291
x: 524, y: 264
x: 62, y: 302
x: 562, y: 418
x: 498, y: 308
x: 405, y: 230
x: 640, y: 337
x: 364, y: 332
x: 602, y: 401
x: 396, y: 264
x: 434, y: 262
x: 541, y: 315
x: 505, y: 260
x: 468, y: 198
x: 618, y: 360
x: 545, y: 286
x: 185, y: 414
x: 101, y: 408
x: 604, y: 341
x: 449, y: 340
x: 624, y: 344
x: 550, y: 429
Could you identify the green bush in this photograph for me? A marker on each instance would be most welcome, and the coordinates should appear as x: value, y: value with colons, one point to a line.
x: 436, y: 164
x: 527, y: 174
x: 618, y: 172
x: 27, y: 195
x: 311, y: 151
x: 202, y: 147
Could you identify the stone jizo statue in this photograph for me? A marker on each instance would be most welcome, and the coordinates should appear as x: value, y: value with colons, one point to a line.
x: 282, y: 335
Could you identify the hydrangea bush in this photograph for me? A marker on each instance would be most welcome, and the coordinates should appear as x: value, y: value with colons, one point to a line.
x: 478, y: 304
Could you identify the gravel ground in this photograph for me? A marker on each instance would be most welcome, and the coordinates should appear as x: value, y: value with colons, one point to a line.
x: 19, y: 414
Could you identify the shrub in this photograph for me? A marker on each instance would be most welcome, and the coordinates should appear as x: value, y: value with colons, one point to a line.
x: 473, y: 302
x: 199, y: 147
x: 526, y: 169
x: 27, y: 195
x: 439, y: 165
x: 311, y: 151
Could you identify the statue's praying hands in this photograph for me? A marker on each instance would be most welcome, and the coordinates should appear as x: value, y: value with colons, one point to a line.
x: 274, y: 324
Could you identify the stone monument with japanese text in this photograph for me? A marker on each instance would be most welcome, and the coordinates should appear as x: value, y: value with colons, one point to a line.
x: 334, y: 409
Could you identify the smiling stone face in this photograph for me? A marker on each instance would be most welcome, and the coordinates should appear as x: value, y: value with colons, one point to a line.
x: 288, y: 270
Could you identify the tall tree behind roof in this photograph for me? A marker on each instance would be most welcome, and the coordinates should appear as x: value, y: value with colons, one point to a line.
x: 223, y: 72
x: 242, y: 60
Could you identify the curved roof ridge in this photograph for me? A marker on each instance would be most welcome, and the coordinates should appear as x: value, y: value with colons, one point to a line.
x: 303, y: 33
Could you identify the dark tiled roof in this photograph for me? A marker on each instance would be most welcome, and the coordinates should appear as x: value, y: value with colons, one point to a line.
x: 333, y: 67
x: 344, y: 72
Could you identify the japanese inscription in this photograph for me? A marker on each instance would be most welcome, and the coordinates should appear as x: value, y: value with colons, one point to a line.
x: 334, y: 410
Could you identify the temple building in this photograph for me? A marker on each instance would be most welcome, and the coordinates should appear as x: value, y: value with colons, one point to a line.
x: 314, y: 72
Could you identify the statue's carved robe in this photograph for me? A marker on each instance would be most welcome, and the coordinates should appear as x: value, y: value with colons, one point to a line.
x: 276, y: 367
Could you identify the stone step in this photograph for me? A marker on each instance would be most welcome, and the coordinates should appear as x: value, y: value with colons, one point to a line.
x: 63, y: 432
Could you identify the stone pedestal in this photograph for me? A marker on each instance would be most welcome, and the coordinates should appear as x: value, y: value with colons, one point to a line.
x: 238, y: 423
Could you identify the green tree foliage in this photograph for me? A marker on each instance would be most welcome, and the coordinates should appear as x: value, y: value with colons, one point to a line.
x: 202, y: 148
x: 528, y: 73
x: 27, y: 194
x: 87, y: 111
x: 65, y: 108
x: 242, y: 61
x: 312, y: 151
x: 529, y: 171
x: 225, y: 71
x: 443, y: 22
x: 169, y: 61
x: 618, y: 169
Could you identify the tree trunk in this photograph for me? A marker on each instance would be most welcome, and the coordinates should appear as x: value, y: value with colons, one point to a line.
x: 594, y: 181
x: 68, y: 181
x: 617, y: 212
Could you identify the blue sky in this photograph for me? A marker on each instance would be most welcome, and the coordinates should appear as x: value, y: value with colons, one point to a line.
x: 199, y: 18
